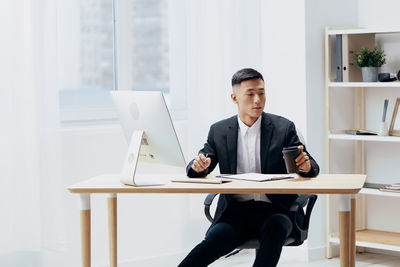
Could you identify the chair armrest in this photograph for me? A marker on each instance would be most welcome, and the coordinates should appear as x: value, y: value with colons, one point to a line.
x: 310, y: 206
x: 299, y: 203
x: 301, y: 200
x: 207, y: 203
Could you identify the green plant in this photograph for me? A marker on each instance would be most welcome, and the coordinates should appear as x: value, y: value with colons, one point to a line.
x: 370, y: 58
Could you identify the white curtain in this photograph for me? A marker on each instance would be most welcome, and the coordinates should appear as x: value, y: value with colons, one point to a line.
x: 31, y: 189
x: 222, y: 37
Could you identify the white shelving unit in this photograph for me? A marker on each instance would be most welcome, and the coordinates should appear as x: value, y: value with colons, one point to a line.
x: 353, y: 96
x: 370, y: 138
x: 364, y: 84
x: 374, y: 239
x: 377, y: 192
x: 345, y: 30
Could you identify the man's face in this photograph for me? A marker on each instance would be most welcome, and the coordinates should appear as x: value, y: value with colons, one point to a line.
x: 250, y: 99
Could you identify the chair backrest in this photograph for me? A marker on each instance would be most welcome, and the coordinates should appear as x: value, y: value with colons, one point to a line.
x: 300, y: 229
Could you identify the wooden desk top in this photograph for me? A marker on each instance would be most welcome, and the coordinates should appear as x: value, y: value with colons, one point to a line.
x: 322, y: 184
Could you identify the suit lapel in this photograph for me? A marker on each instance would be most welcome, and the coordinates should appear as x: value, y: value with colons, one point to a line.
x: 231, y: 139
x: 266, y: 134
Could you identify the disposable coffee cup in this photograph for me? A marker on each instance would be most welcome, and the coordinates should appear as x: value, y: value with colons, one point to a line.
x: 290, y: 154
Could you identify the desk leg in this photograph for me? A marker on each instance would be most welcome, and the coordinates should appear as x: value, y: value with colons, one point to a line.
x: 85, y: 229
x: 353, y: 231
x: 344, y: 230
x: 112, y: 228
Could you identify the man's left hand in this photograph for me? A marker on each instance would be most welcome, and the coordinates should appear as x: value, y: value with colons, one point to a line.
x: 303, y: 161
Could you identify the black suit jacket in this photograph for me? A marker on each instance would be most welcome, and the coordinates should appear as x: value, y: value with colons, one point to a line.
x: 221, y: 146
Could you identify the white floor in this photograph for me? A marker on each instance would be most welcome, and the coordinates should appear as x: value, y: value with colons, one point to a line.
x: 246, y: 258
x: 289, y: 258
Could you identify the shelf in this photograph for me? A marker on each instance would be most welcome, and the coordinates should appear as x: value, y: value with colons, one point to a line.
x: 372, y: 138
x: 374, y: 239
x: 377, y: 192
x: 354, y: 112
x: 363, y: 30
x: 364, y: 84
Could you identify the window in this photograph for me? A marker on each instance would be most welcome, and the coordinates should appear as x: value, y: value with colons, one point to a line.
x: 148, y: 41
x: 87, y: 56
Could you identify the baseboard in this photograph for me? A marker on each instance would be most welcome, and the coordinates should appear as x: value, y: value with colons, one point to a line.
x: 20, y: 258
x: 335, y: 250
x: 296, y: 253
x: 172, y: 259
x: 303, y: 253
x: 316, y: 253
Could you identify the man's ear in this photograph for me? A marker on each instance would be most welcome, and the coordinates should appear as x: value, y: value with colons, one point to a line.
x: 234, y: 97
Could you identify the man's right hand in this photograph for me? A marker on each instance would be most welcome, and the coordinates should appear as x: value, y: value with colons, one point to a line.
x: 200, y: 163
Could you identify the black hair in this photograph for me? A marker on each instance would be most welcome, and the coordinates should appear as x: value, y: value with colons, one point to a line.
x: 244, y: 75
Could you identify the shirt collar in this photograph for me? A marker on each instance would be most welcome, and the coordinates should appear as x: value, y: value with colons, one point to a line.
x: 254, y: 128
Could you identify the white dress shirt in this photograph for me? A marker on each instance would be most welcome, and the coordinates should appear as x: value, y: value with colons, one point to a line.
x: 248, y: 155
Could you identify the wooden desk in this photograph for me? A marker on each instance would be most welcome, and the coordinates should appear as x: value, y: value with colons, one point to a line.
x: 345, y: 184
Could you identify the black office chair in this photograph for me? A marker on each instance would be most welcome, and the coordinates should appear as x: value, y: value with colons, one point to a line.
x: 296, y: 237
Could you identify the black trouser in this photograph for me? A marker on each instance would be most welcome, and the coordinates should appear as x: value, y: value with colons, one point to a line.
x: 240, y: 222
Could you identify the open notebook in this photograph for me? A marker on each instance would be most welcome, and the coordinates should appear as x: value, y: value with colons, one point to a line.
x: 258, y: 177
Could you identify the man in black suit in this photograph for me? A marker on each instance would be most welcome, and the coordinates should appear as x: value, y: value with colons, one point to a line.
x: 252, y: 141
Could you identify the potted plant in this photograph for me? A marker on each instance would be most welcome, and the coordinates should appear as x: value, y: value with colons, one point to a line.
x: 369, y: 61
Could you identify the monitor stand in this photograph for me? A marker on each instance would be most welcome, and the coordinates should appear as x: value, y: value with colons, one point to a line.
x: 131, y: 160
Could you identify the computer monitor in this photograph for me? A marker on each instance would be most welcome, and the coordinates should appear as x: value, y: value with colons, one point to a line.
x: 149, y: 131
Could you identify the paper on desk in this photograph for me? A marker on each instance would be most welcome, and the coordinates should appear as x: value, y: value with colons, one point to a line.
x: 199, y: 180
x: 257, y: 177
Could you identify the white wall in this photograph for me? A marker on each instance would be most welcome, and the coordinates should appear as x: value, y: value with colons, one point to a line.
x: 368, y: 13
x: 318, y: 15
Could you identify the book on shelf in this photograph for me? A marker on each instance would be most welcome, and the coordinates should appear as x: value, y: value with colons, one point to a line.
x: 339, y: 63
x: 346, y: 47
x: 396, y: 185
x: 357, y: 131
x: 391, y: 188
